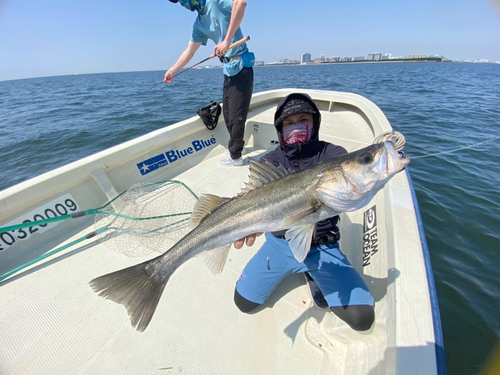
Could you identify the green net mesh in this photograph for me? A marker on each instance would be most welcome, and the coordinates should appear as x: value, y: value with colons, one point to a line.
x: 146, y: 218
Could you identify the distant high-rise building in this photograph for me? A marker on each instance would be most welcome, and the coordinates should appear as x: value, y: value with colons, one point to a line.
x: 375, y: 56
x: 305, y: 58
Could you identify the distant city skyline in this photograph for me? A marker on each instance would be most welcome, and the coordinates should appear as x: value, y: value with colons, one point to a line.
x: 306, y: 58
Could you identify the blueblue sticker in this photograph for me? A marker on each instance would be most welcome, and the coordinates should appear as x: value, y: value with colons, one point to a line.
x: 152, y: 164
x: 171, y: 156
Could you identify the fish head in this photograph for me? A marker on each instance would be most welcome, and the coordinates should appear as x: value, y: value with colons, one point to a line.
x: 352, y: 180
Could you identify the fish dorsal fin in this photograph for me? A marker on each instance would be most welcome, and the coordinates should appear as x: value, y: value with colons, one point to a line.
x: 262, y: 174
x: 206, y: 204
x: 215, y: 259
x: 300, y: 238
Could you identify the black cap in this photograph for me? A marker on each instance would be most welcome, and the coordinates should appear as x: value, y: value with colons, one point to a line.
x: 295, y: 103
x: 174, y: 1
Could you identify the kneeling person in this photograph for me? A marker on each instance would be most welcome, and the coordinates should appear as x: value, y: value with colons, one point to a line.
x: 333, y: 281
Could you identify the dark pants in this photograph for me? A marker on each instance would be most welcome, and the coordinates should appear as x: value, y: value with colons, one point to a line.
x: 237, y: 94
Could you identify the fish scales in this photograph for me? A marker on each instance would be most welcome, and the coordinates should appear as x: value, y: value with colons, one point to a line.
x: 266, y: 208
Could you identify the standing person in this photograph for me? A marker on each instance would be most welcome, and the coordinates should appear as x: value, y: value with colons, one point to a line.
x: 219, y: 20
x: 332, y: 280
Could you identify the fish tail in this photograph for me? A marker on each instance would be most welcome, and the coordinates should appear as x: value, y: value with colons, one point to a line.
x: 134, y: 288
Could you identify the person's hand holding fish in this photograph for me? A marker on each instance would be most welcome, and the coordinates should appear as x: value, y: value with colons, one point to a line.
x: 250, y: 240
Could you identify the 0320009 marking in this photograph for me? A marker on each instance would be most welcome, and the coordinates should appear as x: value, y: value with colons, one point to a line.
x: 59, y: 207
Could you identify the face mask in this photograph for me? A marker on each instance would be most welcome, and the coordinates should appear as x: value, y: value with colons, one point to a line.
x: 193, y: 5
x: 297, y: 134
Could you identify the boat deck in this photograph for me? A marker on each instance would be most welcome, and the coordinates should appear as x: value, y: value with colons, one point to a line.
x: 51, y: 321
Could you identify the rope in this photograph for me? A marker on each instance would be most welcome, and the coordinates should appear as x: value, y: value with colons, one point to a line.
x: 396, y: 137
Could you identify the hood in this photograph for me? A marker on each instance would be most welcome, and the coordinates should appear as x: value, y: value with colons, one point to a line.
x: 279, y: 117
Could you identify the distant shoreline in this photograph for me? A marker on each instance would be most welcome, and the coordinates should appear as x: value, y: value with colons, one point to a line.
x: 421, y: 59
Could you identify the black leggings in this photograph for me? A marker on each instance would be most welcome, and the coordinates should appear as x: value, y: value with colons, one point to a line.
x: 358, y: 317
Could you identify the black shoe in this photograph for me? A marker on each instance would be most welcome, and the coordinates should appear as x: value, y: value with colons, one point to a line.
x: 316, y: 295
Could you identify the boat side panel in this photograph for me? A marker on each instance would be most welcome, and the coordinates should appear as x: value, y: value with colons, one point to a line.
x: 438, y: 332
x: 411, y: 329
x: 85, y: 193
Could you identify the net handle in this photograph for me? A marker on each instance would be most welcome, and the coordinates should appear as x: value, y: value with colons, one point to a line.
x: 93, y: 211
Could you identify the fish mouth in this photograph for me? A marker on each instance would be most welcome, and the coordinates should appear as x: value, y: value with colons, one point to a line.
x: 395, y: 161
x: 403, y: 159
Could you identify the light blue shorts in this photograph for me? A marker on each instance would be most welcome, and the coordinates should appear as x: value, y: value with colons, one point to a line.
x: 339, y: 282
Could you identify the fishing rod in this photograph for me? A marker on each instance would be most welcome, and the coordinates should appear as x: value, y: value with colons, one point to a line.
x: 235, y: 44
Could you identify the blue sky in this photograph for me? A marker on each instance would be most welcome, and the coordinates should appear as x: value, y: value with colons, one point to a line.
x: 57, y: 37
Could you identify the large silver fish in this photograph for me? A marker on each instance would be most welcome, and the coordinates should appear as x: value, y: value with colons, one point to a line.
x: 272, y: 200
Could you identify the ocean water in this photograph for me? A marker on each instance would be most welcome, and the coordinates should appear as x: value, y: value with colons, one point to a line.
x: 49, y: 122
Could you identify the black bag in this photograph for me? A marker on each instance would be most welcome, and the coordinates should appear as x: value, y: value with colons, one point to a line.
x: 331, y: 237
x: 210, y: 115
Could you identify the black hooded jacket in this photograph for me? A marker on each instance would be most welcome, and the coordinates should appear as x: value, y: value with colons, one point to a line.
x: 299, y: 157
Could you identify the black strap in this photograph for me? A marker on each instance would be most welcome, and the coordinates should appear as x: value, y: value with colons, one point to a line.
x: 331, y: 237
x: 326, y: 238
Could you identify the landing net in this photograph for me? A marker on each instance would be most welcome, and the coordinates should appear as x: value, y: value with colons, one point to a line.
x: 147, y: 218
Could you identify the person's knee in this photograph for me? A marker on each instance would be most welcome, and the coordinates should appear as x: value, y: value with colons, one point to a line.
x: 358, y: 317
x: 363, y: 320
x: 243, y: 304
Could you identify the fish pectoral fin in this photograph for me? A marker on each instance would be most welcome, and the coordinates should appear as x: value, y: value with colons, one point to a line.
x: 293, y: 219
x: 206, y: 204
x: 299, y: 238
x: 342, y: 202
x: 335, y: 200
x: 215, y: 259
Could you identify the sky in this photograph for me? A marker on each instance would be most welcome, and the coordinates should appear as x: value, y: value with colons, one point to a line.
x: 59, y: 37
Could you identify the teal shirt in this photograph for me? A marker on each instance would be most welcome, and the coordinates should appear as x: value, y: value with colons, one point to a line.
x: 213, y: 24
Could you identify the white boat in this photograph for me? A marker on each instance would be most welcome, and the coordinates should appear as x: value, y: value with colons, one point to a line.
x: 52, y: 322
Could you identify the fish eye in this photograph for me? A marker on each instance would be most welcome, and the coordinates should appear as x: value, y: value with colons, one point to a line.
x: 366, y: 158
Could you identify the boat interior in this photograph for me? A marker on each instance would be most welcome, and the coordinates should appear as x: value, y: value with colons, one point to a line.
x: 51, y: 321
